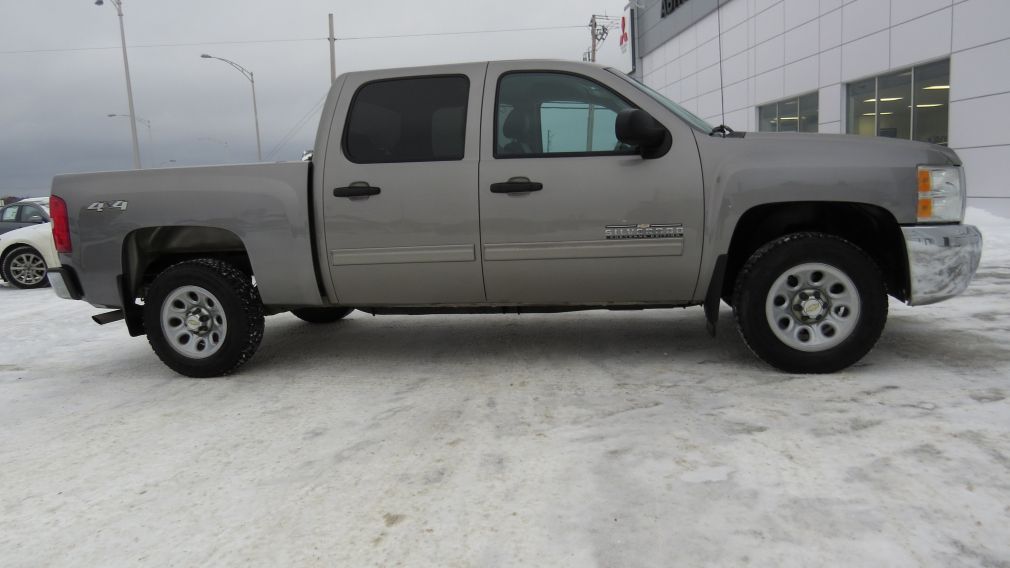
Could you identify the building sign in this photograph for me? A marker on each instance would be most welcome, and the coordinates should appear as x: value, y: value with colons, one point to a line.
x: 626, y: 40
x: 669, y: 6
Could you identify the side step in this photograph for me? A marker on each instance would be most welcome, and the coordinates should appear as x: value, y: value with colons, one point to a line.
x: 109, y: 317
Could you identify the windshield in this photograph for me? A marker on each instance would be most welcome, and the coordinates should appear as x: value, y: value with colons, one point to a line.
x: 672, y: 106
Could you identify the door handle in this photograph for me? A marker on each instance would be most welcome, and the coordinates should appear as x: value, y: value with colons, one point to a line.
x: 516, y: 186
x: 356, y: 191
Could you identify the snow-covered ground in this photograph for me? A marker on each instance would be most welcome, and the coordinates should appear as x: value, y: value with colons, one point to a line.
x: 588, y: 439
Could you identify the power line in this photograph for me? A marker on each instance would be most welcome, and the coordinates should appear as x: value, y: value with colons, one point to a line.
x: 287, y: 40
x: 296, y: 128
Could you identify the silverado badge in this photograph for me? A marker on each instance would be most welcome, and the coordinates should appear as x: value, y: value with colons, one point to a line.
x: 644, y: 231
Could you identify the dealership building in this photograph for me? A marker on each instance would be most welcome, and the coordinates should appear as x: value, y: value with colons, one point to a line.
x: 931, y: 70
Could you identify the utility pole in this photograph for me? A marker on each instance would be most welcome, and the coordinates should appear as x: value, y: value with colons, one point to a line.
x: 592, y: 32
x: 333, y: 54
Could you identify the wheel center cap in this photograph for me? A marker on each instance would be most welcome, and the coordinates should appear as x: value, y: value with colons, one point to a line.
x: 812, y: 308
x: 196, y: 320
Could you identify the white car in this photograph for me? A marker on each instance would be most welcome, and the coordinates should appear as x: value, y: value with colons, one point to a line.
x: 26, y: 254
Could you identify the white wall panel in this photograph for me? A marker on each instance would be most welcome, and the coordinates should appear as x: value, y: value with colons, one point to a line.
x: 769, y: 55
x: 985, y: 170
x: 864, y: 17
x: 801, y: 42
x: 831, y: 30
x: 708, y: 80
x: 830, y: 103
x: 973, y: 73
x: 904, y: 10
x: 733, y: 14
x: 829, y: 5
x: 867, y: 56
x: 768, y: 87
x: 980, y: 21
x: 734, y: 69
x: 980, y: 122
x: 830, y: 128
x: 799, y: 12
x: 921, y: 39
x: 801, y: 76
x: 708, y: 53
x: 831, y: 66
x: 736, y: 96
x: 770, y: 23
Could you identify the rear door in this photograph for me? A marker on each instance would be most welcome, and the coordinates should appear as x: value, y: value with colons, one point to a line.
x: 568, y: 214
x: 399, y: 201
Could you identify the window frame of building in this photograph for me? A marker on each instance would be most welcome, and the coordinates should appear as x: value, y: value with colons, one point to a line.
x: 915, y: 109
x: 499, y: 123
x: 347, y: 146
x: 798, y: 101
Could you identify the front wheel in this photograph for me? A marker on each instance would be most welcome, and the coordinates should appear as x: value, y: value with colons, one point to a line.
x: 204, y: 317
x: 810, y: 303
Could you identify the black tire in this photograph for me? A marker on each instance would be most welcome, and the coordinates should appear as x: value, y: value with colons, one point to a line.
x: 755, y: 307
x: 321, y: 315
x: 22, y: 275
x: 237, y: 300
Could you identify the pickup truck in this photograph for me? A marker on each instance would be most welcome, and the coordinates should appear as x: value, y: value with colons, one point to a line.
x: 522, y: 186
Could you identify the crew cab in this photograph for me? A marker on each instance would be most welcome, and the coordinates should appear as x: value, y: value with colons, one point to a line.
x: 522, y: 186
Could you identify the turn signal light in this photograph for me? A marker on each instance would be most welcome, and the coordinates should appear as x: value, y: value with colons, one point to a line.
x: 61, y: 224
x: 941, y: 194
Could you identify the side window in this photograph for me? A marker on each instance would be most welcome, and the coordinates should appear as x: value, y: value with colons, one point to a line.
x: 543, y: 114
x: 10, y: 213
x: 31, y: 214
x: 421, y: 119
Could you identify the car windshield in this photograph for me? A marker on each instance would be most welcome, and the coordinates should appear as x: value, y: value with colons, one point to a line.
x: 676, y: 109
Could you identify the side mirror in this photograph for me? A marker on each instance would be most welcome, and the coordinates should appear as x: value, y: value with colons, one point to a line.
x: 636, y: 127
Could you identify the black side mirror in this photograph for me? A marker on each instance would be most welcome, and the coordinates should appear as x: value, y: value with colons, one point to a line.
x: 636, y: 127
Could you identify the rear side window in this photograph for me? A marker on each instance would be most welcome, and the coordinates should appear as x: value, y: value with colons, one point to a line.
x: 420, y: 119
x: 31, y: 214
x: 10, y: 213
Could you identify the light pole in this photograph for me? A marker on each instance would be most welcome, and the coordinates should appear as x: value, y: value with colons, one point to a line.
x: 145, y: 122
x: 256, y: 117
x: 129, y: 87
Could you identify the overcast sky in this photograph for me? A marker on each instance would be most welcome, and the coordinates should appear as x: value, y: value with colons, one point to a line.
x: 62, y: 72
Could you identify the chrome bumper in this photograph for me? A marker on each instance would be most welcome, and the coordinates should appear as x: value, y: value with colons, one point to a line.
x: 942, y: 260
x: 64, y: 284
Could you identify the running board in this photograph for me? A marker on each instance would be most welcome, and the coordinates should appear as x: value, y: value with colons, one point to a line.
x: 108, y: 317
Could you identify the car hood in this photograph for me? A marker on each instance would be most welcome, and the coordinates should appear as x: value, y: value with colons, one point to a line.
x: 847, y: 146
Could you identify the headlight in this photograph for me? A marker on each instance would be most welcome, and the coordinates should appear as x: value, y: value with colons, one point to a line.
x: 941, y: 194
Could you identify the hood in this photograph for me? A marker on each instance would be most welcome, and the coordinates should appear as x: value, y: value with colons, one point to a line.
x: 846, y: 145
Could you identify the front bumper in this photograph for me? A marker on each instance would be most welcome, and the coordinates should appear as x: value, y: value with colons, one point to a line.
x: 942, y: 260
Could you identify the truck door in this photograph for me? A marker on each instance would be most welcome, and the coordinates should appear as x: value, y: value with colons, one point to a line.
x: 568, y: 214
x: 399, y: 189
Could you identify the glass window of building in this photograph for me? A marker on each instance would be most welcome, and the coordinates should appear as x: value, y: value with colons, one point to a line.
x: 798, y: 114
x: 911, y: 104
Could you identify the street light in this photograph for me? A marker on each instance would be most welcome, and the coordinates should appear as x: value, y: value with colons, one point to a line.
x: 248, y: 75
x: 129, y: 87
x: 145, y: 122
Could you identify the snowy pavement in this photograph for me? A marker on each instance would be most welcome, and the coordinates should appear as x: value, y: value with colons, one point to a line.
x: 586, y: 439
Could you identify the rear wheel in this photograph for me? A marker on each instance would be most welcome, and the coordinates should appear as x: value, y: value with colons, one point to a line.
x: 24, y: 267
x: 204, y: 318
x: 321, y: 315
x: 810, y: 303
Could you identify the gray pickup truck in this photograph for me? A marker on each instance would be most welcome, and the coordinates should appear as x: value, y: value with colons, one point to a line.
x: 522, y: 186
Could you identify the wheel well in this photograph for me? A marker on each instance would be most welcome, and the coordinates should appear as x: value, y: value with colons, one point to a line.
x: 871, y: 228
x: 149, y: 251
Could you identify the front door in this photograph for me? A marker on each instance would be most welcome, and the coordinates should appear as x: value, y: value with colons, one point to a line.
x: 568, y: 214
x: 399, y: 202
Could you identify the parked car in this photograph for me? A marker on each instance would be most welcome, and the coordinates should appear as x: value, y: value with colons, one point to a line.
x: 26, y: 254
x: 522, y: 186
x: 24, y: 213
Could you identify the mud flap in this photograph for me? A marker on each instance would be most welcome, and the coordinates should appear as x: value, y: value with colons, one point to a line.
x: 714, y: 295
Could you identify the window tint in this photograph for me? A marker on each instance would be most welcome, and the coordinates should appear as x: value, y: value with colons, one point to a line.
x: 408, y: 120
x: 10, y: 213
x: 31, y: 214
x: 552, y: 113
